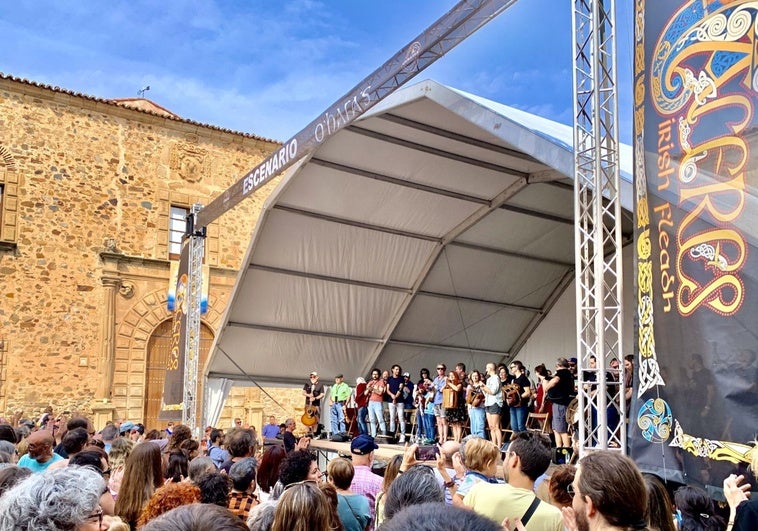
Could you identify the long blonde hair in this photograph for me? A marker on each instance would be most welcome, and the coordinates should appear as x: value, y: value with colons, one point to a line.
x: 302, y: 507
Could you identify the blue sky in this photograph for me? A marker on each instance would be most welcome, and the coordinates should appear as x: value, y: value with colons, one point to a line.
x: 270, y: 67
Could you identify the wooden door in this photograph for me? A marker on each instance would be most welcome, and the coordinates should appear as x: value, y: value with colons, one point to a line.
x: 158, y: 348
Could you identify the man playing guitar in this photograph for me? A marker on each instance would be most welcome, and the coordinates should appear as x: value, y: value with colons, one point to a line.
x: 313, y: 391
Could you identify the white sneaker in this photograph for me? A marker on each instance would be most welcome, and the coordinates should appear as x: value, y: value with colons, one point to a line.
x: 402, y: 439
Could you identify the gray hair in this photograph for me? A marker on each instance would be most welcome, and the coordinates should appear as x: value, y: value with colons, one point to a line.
x: 242, y: 473
x: 8, y: 447
x: 56, y: 500
x: 200, y: 466
x: 418, y: 485
x: 262, y: 516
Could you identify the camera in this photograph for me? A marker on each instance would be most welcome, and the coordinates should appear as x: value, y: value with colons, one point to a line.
x: 427, y: 452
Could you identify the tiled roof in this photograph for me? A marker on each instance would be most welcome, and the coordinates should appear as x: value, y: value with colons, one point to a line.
x: 121, y: 103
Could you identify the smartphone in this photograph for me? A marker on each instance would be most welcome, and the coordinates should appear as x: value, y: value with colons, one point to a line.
x: 427, y: 452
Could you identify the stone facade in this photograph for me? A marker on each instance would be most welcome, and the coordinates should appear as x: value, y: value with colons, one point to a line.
x: 87, y: 186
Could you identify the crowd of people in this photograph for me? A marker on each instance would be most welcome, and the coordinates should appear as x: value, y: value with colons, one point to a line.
x: 67, y: 476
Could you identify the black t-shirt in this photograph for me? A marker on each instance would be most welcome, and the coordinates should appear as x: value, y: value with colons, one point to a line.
x: 316, y: 390
x: 394, y: 385
x: 523, y: 383
x: 561, y: 393
x: 289, y: 441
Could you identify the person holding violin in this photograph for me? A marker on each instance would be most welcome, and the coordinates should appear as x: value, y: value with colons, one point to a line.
x: 313, y: 391
x: 375, y: 389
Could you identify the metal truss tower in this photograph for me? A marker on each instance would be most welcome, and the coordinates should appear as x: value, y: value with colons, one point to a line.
x: 597, y: 228
x: 194, y: 291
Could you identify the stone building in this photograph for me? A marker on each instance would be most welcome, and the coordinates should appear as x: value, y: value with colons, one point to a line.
x: 93, y: 193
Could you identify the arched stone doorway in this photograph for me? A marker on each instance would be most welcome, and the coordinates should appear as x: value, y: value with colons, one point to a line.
x: 158, y: 347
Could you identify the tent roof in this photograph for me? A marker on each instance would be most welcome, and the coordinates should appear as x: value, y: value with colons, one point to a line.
x: 437, y: 228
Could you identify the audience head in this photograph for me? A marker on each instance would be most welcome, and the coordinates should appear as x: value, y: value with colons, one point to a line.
x: 109, y: 433
x: 180, y: 434
x: 120, y: 450
x: 7, y: 433
x: 417, y: 485
x: 299, y: 465
x: 480, y: 455
x: 191, y: 448
x: 214, y: 489
x: 529, y: 453
x: 142, y: 475
x: 362, y: 448
x: 216, y: 436
x: 303, y: 506
x: 10, y: 475
x: 178, y: 466
x: 9, y: 449
x: 608, y: 486
x: 75, y: 440
x: 561, y: 478
x: 199, y: 467
x: 91, y: 457
x: 169, y: 496
x: 242, y: 474
x: 62, y: 499
x: 268, y: 471
x: 331, y: 495
x: 341, y: 473
x: 696, y: 510
x: 659, y: 506
x: 40, y: 446
x: 438, y: 517
x: 240, y: 443
x: 196, y: 517
x: 261, y: 516
x: 391, y: 471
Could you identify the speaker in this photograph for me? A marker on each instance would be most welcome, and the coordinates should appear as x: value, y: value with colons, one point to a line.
x: 340, y: 437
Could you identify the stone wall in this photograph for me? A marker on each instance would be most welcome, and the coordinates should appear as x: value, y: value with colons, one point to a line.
x: 84, y: 257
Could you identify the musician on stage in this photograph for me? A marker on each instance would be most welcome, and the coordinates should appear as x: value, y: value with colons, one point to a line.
x: 313, y: 391
x: 340, y: 394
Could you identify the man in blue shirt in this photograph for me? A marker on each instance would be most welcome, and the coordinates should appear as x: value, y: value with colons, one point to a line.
x: 40, y: 455
x: 217, y: 454
x: 270, y: 430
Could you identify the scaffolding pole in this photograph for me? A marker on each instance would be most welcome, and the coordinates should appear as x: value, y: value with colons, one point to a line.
x: 597, y: 229
x: 194, y: 294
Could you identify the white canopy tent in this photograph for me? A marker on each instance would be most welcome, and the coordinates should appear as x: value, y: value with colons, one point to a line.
x: 437, y: 228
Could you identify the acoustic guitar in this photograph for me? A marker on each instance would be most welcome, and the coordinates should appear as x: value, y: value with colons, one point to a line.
x: 310, y: 415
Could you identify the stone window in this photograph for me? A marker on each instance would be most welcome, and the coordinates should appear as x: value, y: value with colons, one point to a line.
x: 177, y: 223
x: 8, y: 201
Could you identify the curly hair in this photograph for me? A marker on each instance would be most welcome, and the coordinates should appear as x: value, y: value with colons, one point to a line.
x: 214, y: 489
x: 169, y: 496
x: 181, y: 433
x: 295, y: 466
x: 58, y: 500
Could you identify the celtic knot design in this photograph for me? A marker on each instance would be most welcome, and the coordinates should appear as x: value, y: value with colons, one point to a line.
x: 655, y: 419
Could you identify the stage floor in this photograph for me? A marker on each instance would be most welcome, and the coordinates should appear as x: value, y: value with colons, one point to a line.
x: 385, y: 451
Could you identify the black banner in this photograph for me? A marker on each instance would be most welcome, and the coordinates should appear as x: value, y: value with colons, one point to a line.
x: 695, y: 412
x: 172, y: 403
